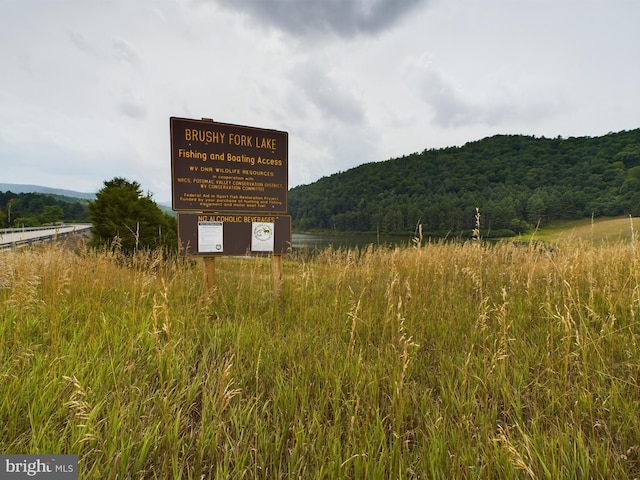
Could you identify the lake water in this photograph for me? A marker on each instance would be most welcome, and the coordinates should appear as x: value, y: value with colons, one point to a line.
x: 312, y: 241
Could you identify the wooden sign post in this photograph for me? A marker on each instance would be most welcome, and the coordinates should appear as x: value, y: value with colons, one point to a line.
x: 213, y: 235
x: 277, y: 275
x: 209, y: 273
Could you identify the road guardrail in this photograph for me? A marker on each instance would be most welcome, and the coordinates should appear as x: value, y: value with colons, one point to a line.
x: 10, y: 237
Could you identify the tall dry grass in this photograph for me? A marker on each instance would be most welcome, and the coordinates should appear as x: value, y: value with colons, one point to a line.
x: 443, y: 360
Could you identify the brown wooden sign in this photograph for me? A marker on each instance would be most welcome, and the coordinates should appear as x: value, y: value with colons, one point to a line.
x: 217, y: 234
x: 220, y: 167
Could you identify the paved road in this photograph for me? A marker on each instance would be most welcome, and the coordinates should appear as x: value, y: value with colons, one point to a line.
x: 17, y: 236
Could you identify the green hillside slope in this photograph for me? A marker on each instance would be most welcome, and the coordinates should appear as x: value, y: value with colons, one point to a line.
x: 516, y: 181
x: 609, y: 231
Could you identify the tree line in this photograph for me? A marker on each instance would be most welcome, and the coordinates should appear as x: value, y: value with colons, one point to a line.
x: 36, y: 209
x: 122, y: 216
x: 516, y: 181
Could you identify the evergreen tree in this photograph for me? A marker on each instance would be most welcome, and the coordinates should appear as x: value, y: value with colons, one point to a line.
x: 121, y: 213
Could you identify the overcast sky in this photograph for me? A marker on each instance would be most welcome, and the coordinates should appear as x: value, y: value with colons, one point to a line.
x: 87, y: 87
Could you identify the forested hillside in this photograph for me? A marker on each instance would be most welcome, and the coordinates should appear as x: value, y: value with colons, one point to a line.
x: 516, y: 181
x: 35, y: 209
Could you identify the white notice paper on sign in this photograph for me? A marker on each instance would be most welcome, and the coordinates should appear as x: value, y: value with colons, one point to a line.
x: 262, y: 236
x: 209, y: 237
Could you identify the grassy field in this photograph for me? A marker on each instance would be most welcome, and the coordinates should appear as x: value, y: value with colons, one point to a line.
x: 451, y: 360
x: 597, y: 232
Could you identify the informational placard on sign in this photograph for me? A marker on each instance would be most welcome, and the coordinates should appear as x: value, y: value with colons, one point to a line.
x: 220, y: 167
x: 210, y: 237
x: 262, y: 236
x: 233, y: 234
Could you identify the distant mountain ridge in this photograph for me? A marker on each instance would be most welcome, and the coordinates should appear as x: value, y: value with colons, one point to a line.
x: 23, y: 188
x: 26, y: 188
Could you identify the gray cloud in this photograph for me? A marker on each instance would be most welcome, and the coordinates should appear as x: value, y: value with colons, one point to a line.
x: 346, y: 18
x: 333, y: 99
x: 126, y: 52
x: 82, y: 43
x: 131, y: 105
x: 453, y: 107
x: 449, y: 108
